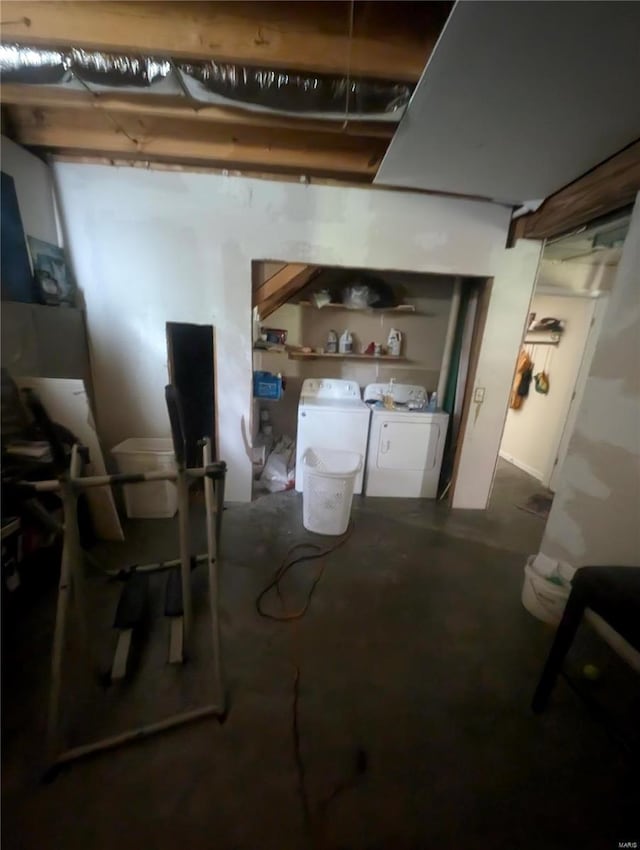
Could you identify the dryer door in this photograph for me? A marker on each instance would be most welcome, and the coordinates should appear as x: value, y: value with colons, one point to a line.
x: 408, y: 445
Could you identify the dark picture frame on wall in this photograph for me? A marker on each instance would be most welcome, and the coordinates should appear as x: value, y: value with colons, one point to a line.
x: 51, y: 272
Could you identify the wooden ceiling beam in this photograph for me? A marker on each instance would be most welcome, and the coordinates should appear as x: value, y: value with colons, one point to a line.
x: 390, y: 40
x: 272, y: 285
x: 608, y: 187
x: 174, y: 106
x: 281, y: 287
x: 179, y: 140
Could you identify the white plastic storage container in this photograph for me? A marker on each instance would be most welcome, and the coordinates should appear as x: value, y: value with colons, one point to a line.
x: 153, y: 499
x: 545, y: 591
x: 327, y: 489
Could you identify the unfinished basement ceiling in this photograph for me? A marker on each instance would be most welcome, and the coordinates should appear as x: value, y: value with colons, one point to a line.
x: 519, y: 99
x: 185, y: 83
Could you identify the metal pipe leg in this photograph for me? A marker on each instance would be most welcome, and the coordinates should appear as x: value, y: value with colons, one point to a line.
x: 185, y: 555
x: 213, y: 552
x: 219, y: 493
x: 59, y: 634
x: 72, y: 537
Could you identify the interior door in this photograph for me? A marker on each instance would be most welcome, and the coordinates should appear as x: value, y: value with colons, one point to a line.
x: 599, y: 309
x: 408, y: 445
x: 481, y: 430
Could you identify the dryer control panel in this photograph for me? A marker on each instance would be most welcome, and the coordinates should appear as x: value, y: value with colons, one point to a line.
x: 330, y: 388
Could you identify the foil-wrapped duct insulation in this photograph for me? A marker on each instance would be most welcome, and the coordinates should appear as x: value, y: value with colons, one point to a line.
x: 294, y: 93
x: 75, y: 68
x: 110, y: 71
x: 33, y: 65
x: 271, y: 90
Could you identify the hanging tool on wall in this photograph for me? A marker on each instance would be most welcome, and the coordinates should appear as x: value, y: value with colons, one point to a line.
x: 542, y: 378
x: 522, y: 380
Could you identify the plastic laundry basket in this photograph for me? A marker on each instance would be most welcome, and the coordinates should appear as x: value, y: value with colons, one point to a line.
x: 327, y: 489
x: 154, y: 499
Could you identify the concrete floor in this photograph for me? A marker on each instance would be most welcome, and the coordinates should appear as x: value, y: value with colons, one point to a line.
x: 417, y: 664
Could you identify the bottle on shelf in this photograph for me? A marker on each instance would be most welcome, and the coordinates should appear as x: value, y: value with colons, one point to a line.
x: 394, y: 342
x: 332, y: 342
x: 346, y: 343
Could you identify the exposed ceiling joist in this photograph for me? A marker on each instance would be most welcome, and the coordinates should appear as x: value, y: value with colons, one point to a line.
x: 381, y: 40
x: 609, y: 187
x: 178, y: 107
x: 389, y: 40
x: 189, y: 140
x: 282, y: 286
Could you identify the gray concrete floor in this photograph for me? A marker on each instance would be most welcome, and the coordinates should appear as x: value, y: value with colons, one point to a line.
x: 417, y: 664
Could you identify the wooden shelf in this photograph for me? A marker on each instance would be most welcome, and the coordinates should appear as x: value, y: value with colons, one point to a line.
x: 312, y: 355
x: 402, y: 309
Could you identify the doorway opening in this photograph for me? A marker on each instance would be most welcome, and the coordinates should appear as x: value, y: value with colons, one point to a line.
x: 576, y: 274
x: 336, y: 324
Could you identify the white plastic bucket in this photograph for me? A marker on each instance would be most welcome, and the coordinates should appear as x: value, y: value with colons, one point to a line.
x: 153, y: 499
x: 327, y: 489
x: 544, y: 599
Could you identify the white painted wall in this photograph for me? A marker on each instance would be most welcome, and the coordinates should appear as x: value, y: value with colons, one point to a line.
x: 34, y: 188
x: 532, y: 433
x: 575, y: 275
x: 151, y: 246
x: 511, y: 293
x: 595, y: 518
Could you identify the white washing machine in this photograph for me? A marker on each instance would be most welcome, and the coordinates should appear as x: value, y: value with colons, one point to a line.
x: 331, y: 415
x: 405, y: 444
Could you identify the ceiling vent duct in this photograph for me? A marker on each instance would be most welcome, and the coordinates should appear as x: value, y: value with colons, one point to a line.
x: 269, y: 90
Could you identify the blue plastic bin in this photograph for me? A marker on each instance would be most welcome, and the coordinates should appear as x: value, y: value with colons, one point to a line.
x: 267, y: 386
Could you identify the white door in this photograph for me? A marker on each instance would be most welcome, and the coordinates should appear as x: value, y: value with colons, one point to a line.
x: 599, y: 309
x: 511, y: 293
x: 408, y: 446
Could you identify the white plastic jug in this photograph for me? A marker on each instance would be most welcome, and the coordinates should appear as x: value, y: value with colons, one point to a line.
x: 346, y: 342
x: 394, y: 342
x: 332, y: 342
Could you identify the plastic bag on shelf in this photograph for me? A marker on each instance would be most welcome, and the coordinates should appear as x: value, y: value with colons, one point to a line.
x: 368, y: 291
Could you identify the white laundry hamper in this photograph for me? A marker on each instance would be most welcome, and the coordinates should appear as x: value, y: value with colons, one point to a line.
x: 327, y: 489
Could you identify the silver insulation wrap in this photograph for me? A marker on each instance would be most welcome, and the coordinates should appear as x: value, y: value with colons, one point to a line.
x: 293, y: 93
x: 111, y: 70
x: 31, y: 65
x: 75, y: 68
x: 277, y: 91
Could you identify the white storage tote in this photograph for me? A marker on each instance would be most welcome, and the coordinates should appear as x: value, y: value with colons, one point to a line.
x: 327, y: 489
x: 153, y: 499
x: 546, y: 588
